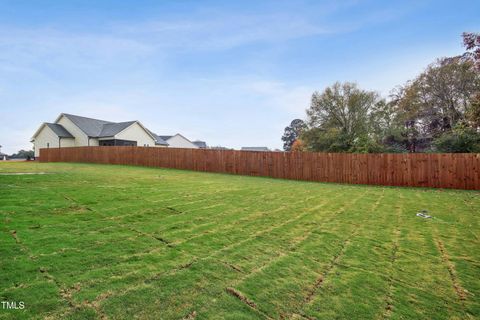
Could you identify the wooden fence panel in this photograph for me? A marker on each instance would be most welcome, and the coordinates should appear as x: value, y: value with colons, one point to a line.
x: 459, y: 171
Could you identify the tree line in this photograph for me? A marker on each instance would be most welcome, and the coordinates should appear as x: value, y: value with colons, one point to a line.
x: 438, y: 111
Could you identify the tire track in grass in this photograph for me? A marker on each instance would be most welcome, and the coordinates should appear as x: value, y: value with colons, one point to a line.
x: 333, y: 262
x: 269, y: 229
x: 298, y: 309
x: 337, y: 257
x: 149, y: 280
x: 429, y: 292
x: 389, y: 297
x: 105, y: 216
x: 196, y: 259
x: 457, y: 287
x: 253, y: 217
x: 174, y: 244
x: 213, y: 219
x: 248, y: 218
x: 65, y: 293
x: 193, y: 211
x: 139, y: 233
x: 462, y: 253
x: 387, y: 312
x: 396, y: 248
x: 460, y: 292
x: 293, y: 247
x: 240, y: 296
x: 244, y: 298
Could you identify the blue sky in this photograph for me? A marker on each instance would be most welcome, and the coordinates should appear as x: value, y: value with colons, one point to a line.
x: 232, y: 73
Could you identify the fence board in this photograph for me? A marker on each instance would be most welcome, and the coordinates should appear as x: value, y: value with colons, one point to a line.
x: 458, y: 171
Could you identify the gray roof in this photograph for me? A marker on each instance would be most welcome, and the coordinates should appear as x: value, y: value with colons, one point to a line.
x: 200, y: 144
x: 96, y: 128
x: 91, y: 127
x: 59, y: 130
x: 158, y: 141
x: 165, y: 137
x: 111, y: 129
x: 255, y: 149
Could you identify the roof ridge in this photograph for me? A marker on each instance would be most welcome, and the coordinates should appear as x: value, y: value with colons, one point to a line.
x: 74, y: 115
x: 131, y: 121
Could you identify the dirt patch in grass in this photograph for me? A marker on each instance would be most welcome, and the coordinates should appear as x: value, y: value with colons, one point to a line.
x: 15, y: 236
x: 237, y: 294
x: 461, y: 293
x: 232, y: 266
x: 173, y: 210
x: 393, y: 257
x: 24, y: 173
x: 192, y: 315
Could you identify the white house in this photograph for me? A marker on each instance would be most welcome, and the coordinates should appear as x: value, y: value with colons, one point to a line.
x: 264, y: 149
x: 3, y: 156
x: 74, y: 131
x: 179, y: 141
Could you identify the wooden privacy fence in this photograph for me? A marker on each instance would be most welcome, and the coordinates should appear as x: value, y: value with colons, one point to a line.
x: 436, y: 170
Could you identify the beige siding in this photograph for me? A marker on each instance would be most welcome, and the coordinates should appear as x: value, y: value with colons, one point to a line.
x: 67, y: 142
x: 44, y: 139
x: 81, y: 138
x: 94, y: 142
x: 136, y: 133
x: 178, y: 141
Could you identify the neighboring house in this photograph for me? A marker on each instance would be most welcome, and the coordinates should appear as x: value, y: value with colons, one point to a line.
x: 200, y: 144
x: 74, y: 131
x: 178, y: 141
x: 220, y: 148
x: 3, y: 156
x: 255, y: 149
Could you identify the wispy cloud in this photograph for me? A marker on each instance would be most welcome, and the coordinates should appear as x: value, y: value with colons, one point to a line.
x: 168, y: 35
x: 52, y: 46
x: 223, y: 32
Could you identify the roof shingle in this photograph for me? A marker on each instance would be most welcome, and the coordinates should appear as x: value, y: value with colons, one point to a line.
x: 111, y: 129
x: 200, y: 144
x: 91, y: 127
x: 59, y: 130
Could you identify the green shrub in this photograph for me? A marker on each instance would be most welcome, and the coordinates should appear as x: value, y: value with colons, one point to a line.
x: 459, y: 140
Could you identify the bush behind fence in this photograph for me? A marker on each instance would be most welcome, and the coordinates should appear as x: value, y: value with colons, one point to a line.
x: 436, y: 170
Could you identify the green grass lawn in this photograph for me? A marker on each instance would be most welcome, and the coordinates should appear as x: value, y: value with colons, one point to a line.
x: 117, y: 242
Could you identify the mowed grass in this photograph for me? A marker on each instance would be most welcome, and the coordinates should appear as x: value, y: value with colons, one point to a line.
x: 118, y: 242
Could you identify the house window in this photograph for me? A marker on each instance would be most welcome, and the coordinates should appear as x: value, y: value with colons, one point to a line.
x: 117, y: 142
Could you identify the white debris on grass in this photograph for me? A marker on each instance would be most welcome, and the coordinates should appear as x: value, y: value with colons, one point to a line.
x: 423, y: 214
x: 22, y: 173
